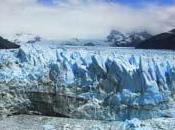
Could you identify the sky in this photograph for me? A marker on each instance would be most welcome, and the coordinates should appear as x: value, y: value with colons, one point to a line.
x: 87, y: 19
x: 126, y: 2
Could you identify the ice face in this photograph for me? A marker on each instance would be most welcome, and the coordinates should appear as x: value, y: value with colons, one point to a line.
x: 100, y: 83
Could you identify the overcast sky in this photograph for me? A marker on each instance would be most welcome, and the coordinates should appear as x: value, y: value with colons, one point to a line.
x: 61, y: 19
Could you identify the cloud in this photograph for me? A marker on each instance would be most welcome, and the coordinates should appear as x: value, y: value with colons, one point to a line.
x: 81, y: 18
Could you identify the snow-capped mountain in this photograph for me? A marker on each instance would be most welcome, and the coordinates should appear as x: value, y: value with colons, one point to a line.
x: 129, y: 39
x: 21, y: 38
x: 115, y: 38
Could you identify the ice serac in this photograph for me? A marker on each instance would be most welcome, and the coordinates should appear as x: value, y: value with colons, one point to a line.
x: 101, y: 83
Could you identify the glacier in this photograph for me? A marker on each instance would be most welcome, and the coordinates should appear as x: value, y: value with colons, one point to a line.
x: 102, y: 83
x: 23, y: 122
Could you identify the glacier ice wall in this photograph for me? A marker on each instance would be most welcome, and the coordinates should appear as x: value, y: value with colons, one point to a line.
x: 92, y: 83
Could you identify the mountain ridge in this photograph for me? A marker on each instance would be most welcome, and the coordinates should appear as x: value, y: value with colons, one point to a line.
x: 164, y: 40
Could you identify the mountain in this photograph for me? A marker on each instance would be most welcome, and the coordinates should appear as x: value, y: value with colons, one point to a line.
x: 161, y: 41
x: 130, y: 39
x: 21, y: 38
x: 115, y: 38
x: 27, y: 38
x: 5, y: 44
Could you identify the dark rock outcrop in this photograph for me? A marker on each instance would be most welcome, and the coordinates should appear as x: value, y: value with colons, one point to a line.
x: 161, y: 41
x: 5, y: 44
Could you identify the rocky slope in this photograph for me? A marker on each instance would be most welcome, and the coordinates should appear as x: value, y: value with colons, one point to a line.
x: 5, y: 44
x: 161, y: 41
x: 100, y: 83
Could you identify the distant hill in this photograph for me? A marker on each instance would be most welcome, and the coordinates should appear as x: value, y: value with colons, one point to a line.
x: 161, y: 41
x: 5, y: 44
